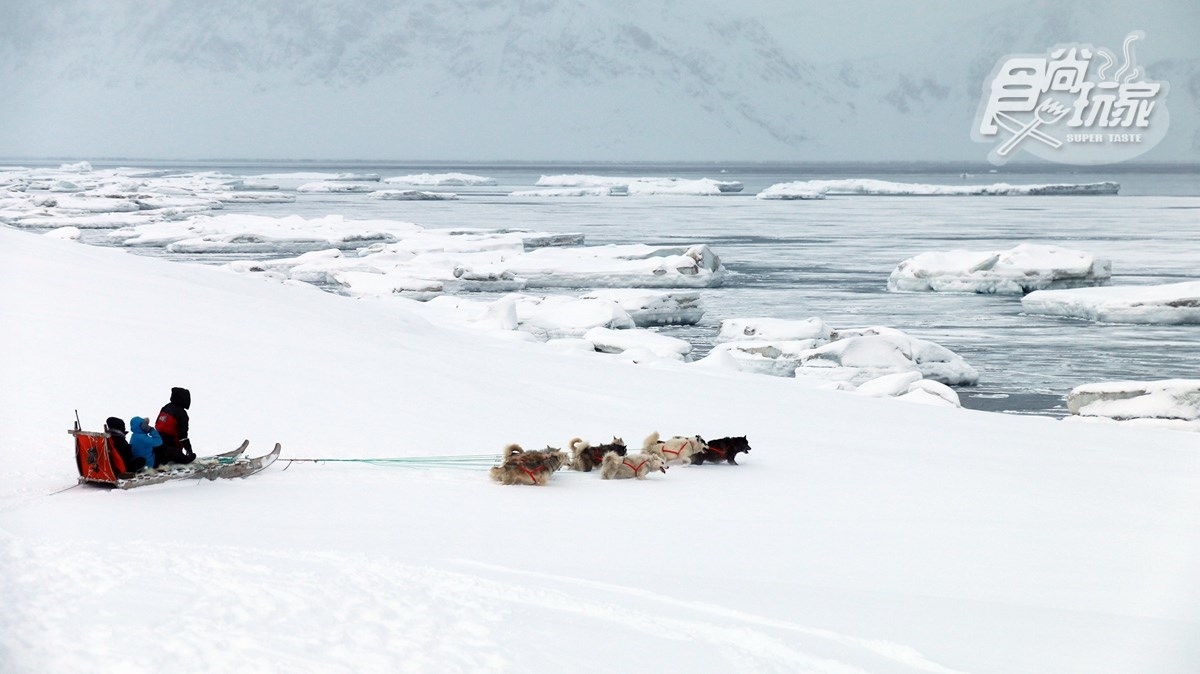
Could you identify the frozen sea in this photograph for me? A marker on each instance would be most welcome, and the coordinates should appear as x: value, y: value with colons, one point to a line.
x: 831, y: 258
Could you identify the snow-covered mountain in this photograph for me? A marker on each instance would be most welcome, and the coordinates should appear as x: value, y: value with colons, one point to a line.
x: 591, y: 79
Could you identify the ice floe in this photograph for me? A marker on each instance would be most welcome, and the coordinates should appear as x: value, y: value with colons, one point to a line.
x: 442, y: 180
x: 309, y: 176
x: 1168, y: 304
x: 261, y: 234
x: 644, y: 186
x: 610, y: 191
x: 800, y: 190
x: 1168, y: 403
x: 638, y: 343
x: 868, y: 186
x: 650, y: 308
x: 1022, y: 269
x: 334, y: 187
x: 413, y: 195
x: 68, y: 233
x: 855, y: 355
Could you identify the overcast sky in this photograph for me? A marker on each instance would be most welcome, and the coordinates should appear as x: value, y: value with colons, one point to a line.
x: 588, y: 80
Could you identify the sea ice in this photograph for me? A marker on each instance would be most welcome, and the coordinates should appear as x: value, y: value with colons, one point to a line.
x: 330, y: 186
x: 1168, y: 304
x: 793, y: 191
x: 649, y: 308
x: 608, y: 340
x: 809, y: 348
x: 644, y: 186
x: 442, y: 180
x: 773, y: 329
x: 1022, y: 269
x: 610, y: 191
x: 1167, y: 399
x: 412, y: 195
x: 866, y: 186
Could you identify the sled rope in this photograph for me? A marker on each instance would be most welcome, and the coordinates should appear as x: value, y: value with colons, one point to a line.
x: 462, y: 462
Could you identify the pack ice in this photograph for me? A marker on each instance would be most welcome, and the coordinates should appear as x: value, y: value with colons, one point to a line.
x: 1022, y: 269
x: 868, y: 186
x: 643, y: 186
x: 1167, y: 304
x: 1168, y: 403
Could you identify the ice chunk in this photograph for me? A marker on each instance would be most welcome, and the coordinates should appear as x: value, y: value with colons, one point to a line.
x: 442, y: 180
x: 778, y: 358
x: 866, y: 186
x: 611, y: 191
x: 68, y: 233
x: 928, y: 392
x: 793, y: 191
x: 890, y: 385
x: 771, y: 329
x: 329, y: 186
x: 241, y: 197
x: 413, y: 195
x: 1122, y: 400
x: 631, y: 266
x: 861, y: 354
x: 1169, y: 304
x: 1022, y: 269
x: 644, y: 186
x: 650, y: 308
x: 561, y: 316
x: 317, y: 176
x: 79, y: 167
x: 608, y: 340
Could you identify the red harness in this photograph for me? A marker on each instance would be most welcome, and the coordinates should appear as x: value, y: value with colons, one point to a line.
x: 687, y: 442
x: 636, y: 468
x: 532, y: 473
x: 719, y: 452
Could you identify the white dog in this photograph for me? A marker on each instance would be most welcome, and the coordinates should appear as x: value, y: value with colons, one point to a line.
x: 617, y: 467
x: 678, y: 449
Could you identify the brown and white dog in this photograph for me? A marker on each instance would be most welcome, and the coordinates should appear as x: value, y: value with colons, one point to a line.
x: 585, y: 457
x: 521, y: 467
x: 678, y: 449
x: 722, y: 449
x: 616, y: 467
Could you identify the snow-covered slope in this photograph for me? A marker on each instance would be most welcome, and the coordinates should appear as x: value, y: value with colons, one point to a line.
x: 590, y: 79
x: 859, y: 535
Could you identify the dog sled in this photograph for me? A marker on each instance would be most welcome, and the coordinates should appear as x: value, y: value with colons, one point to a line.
x: 99, y: 463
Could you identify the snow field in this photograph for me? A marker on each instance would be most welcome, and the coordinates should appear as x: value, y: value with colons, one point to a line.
x: 859, y: 534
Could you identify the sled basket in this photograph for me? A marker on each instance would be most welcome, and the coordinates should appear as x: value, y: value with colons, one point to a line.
x: 95, y: 457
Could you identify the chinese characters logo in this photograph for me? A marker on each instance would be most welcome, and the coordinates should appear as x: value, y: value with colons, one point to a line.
x: 1072, y: 105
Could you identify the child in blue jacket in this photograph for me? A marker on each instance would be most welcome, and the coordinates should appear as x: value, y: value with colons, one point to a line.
x: 145, y: 439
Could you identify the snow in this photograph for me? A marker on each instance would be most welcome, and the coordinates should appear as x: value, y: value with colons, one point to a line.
x: 799, y: 190
x: 643, y: 186
x: 413, y: 195
x: 810, y: 348
x: 1166, y: 304
x: 860, y: 535
x: 310, y: 176
x: 69, y: 233
x: 638, y: 341
x: 609, y: 191
x: 869, y: 186
x: 1123, y: 400
x: 441, y: 180
x: 1021, y: 269
x: 335, y: 187
x: 259, y: 233
x: 770, y: 329
x: 654, y: 307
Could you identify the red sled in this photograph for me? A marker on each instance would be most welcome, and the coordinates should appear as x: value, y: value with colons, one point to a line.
x: 96, y: 458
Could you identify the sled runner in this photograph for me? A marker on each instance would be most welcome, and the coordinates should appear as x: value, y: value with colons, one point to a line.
x: 99, y: 463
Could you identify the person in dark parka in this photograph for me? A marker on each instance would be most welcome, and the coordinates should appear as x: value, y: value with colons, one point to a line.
x: 172, y: 425
x: 116, y: 431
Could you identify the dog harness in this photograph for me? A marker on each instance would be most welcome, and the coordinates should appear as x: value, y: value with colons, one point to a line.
x: 687, y: 442
x: 636, y: 468
x: 717, y: 450
x: 531, y: 473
